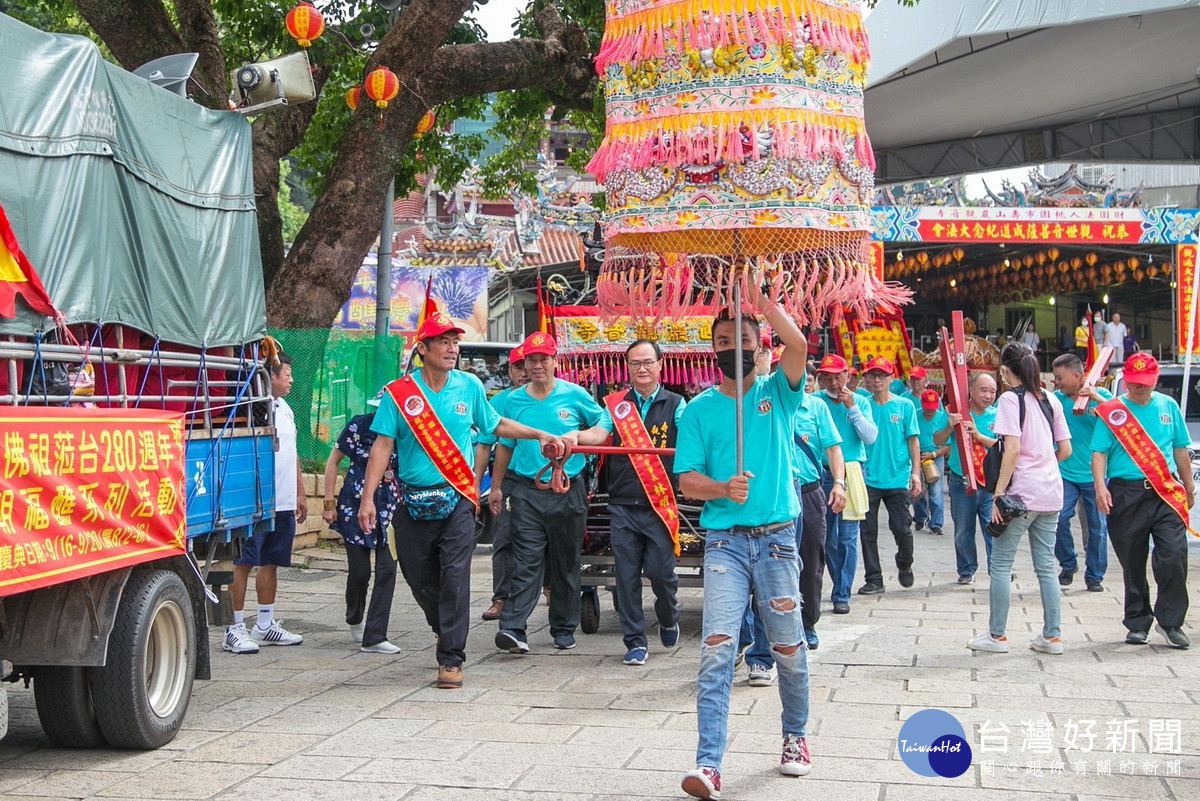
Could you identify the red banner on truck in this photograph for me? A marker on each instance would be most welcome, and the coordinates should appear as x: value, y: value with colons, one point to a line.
x: 86, y: 491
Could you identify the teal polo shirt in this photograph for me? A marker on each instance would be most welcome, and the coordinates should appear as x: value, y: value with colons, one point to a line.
x: 568, y: 407
x: 1077, y: 468
x: 888, y: 466
x: 499, y: 402
x: 862, y: 392
x: 463, y: 409
x: 706, y: 444
x: 814, y: 426
x: 985, y: 422
x: 1163, y: 423
x: 853, y: 449
x: 927, y: 428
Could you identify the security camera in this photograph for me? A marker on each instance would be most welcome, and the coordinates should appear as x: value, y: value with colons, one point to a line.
x: 367, y: 30
x: 279, y: 82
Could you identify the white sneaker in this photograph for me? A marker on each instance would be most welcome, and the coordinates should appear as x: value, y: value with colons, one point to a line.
x: 237, y: 640
x: 761, y: 676
x: 1047, y: 645
x: 986, y: 642
x: 275, y: 635
x: 384, y: 647
x: 356, y: 631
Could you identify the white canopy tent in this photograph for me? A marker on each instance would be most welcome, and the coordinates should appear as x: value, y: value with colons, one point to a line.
x: 960, y: 86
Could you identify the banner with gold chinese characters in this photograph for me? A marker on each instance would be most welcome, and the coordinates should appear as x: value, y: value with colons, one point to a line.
x: 86, y: 491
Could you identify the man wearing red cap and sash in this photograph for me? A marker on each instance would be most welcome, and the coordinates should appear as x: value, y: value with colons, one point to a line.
x: 1142, y: 449
x: 546, y: 527
x: 502, y: 560
x: 430, y: 417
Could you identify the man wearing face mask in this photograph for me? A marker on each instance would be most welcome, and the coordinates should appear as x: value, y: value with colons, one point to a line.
x: 751, y: 542
x: 856, y: 425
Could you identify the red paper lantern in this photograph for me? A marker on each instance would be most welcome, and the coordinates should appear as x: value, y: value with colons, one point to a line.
x: 426, y: 124
x: 381, y: 86
x: 305, y: 24
x: 353, y: 95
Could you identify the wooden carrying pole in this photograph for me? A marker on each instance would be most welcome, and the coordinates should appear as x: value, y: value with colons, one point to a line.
x: 954, y: 367
x: 1093, y: 376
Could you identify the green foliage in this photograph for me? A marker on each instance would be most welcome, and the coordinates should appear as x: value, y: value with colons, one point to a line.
x: 292, y: 215
x: 53, y: 16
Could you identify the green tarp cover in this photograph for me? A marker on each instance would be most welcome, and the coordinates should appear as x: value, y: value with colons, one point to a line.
x: 134, y: 205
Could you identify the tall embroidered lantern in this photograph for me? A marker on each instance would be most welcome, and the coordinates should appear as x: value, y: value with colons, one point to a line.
x: 735, y: 133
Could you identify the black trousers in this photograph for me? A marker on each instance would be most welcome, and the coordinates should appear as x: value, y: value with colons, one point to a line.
x: 900, y: 523
x: 358, y: 559
x: 547, y: 537
x: 642, y: 544
x: 502, y: 554
x: 435, y: 557
x: 812, y: 553
x: 1138, y: 516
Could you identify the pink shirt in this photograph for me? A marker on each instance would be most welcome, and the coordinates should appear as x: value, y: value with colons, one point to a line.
x: 1036, y: 479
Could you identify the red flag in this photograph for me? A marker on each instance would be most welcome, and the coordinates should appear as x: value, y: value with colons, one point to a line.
x: 545, y: 322
x: 429, y: 307
x: 17, y: 276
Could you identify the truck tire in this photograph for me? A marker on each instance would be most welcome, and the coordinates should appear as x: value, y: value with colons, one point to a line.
x: 142, y: 692
x: 64, y: 705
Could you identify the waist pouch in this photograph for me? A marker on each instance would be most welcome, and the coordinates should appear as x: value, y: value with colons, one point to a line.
x: 430, y: 503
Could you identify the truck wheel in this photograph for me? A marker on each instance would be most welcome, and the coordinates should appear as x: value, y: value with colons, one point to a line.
x: 64, y: 705
x: 589, y: 611
x: 142, y: 693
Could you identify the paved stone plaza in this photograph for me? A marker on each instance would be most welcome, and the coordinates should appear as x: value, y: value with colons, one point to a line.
x: 323, y: 721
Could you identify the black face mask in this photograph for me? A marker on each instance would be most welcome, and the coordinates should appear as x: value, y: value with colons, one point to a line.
x: 727, y: 361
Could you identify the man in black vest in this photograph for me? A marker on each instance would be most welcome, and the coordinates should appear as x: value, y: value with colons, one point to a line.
x: 641, y: 542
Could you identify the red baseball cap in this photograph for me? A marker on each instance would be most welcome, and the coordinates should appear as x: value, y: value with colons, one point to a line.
x: 917, y: 372
x: 930, y: 399
x: 881, y: 364
x: 435, y: 325
x: 832, y: 363
x: 516, y: 355
x: 539, y: 342
x: 1141, y: 368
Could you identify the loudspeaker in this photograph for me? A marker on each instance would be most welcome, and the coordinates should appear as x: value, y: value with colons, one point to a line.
x: 281, y: 81
x: 367, y: 30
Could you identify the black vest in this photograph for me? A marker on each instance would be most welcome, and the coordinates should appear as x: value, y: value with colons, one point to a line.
x: 624, y: 488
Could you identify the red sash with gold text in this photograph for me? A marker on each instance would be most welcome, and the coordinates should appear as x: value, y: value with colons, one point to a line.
x: 1146, y: 455
x: 647, y: 467
x: 432, y: 435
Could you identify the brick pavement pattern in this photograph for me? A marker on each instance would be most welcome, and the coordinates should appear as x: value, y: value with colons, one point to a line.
x: 323, y: 721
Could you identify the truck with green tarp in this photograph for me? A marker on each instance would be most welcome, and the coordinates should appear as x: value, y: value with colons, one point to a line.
x: 133, y: 208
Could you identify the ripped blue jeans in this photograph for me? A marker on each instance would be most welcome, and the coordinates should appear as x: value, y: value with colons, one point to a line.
x: 737, y: 565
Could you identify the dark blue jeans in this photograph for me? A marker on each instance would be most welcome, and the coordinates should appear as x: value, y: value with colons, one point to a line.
x: 964, y: 511
x: 1096, y: 547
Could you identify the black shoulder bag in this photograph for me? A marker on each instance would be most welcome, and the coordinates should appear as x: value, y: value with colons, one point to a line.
x: 995, y: 454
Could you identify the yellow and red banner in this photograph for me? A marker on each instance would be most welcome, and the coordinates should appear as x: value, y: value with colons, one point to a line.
x: 648, y: 467
x: 1146, y: 455
x: 86, y: 491
x: 432, y: 436
x: 17, y: 276
x: 1185, y: 275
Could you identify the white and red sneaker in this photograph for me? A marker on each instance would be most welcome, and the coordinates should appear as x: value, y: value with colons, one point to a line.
x: 702, y: 782
x: 795, y: 761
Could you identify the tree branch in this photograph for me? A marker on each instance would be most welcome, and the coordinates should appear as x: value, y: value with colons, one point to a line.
x: 198, y: 24
x: 136, y: 31
x: 560, y: 64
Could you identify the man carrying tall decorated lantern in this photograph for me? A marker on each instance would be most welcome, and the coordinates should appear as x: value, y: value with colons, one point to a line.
x: 430, y: 417
x: 750, y: 543
x: 1141, y: 448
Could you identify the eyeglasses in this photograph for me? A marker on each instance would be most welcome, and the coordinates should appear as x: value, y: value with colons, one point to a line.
x: 644, y: 364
